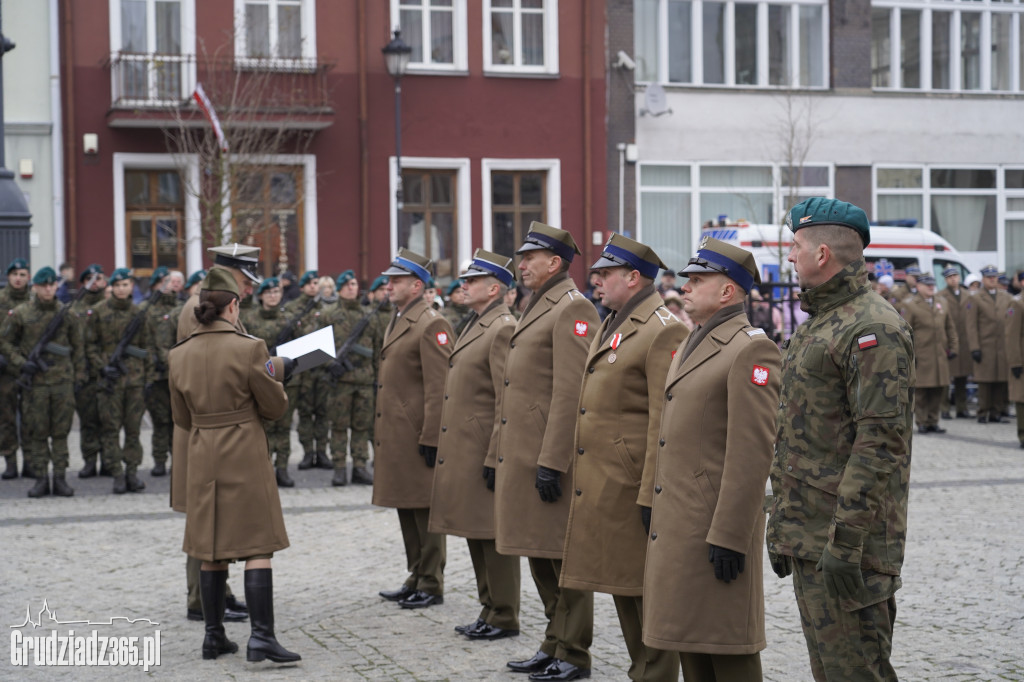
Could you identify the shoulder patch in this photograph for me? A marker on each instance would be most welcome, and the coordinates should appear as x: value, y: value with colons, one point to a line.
x: 442, y: 338
x: 581, y: 328
x: 755, y: 332
x: 867, y: 341
x: 759, y: 375
x: 270, y: 367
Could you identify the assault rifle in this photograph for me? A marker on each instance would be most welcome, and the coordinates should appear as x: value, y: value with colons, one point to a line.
x: 286, y: 333
x: 343, y: 364
x: 115, y: 363
x: 35, y: 356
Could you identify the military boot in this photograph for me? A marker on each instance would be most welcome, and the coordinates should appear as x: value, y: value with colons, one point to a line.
x: 159, y: 469
x: 120, y: 485
x: 134, y: 484
x: 12, y: 468
x: 361, y: 476
x: 283, y: 479
x: 61, y: 487
x: 212, y: 590
x: 26, y: 470
x: 263, y: 644
x: 323, y: 461
x: 340, y: 478
x: 308, y: 460
x: 89, y: 470
x: 41, y: 488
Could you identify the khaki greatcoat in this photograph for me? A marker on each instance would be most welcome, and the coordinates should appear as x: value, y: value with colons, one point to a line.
x: 1015, y: 347
x: 986, y: 331
x: 616, y: 447
x: 222, y: 384
x: 961, y: 365
x: 718, y: 430
x: 934, y: 339
x: 461, y: 504
x: 538, y: 407
x: 410, y: 393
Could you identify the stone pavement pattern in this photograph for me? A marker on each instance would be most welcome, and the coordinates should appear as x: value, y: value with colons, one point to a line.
x: 960, y: 612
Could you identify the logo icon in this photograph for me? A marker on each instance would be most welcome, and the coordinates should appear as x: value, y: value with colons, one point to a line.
x: 442, y: 339
x: 270, y: 367
x: 759, y: 375
x: 581, y: 328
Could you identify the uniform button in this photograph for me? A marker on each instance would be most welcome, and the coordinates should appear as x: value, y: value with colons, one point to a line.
x: 446, y: 396
x: 578, y: 492
x: 500, y: 459
x: 450, y: 365
x: 661, y: 442
x: 657, y: 489
x: 378, y: 414
x: 590, y: 370
x: 789, y: 468
x: 440, y: 460
x: 583, y: 410
x: 504, y: 421
x: 668, y: 397
x: 512, y: 344
x: 580, y: 451
x: 506, y: 382
x: 654, y: 535
x: 378, y: 444
x: 444, y: 428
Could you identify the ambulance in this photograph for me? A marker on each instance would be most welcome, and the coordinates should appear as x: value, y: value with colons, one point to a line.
x: 891, y: 251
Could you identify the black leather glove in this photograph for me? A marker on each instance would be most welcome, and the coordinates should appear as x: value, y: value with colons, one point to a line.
x: 429, y: 454
x: 1016, y: 371
x: 549, y: 484
x: 842, y: 579
x: 489, y: 477
x: 111, y: 373
x: 336, y: 369
x: 782, y: 564
x: 728, y: 563
x: 976, y: 355
x: 289, y: 368
x: 30, y: 368
x: 160, y: 366
x: 645, y: 518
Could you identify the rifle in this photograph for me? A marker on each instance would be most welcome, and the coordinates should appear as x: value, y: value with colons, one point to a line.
x: 286, y: 332
x: 116, y: 359
x: 350, y: 345
x: 35, y: 355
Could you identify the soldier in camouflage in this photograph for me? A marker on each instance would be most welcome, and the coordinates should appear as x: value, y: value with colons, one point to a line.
x: 90, y: 425
x: 456, y: 311
x: 11, y: 296
x: 122, y: 380
x: 352, y: 398
x: 841, y: 472
x: 161, y: 331
x: 49, y: 400
x: 266, y: 323
x: 313, y: 387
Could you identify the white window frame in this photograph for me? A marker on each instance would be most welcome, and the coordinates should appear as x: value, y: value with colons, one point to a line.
x: 308, y: 59
x: 550, y: 66
x: 188, y: 166
x: 955, y: 9
x: 553, y: 170
x: 188, y: 50
x: 460, y: 39
x: 697, y: 45
x: 463, y: 203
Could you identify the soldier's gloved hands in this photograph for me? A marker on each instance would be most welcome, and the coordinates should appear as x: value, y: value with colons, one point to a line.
x: 549, y: 484
x: 429, y: 454
x: 1016, y: 371
x: 951, y: 355
x: 842, y: 579
x: 336, y: 369
x: 289, y: 368
x: 782, y: 564
x: 30, y: 368
x: 110, y: 372
x: 976, y: 355
x: 728, y: 563
x: 161, y: 366
x: 489, y: 476
x: 645, y: 518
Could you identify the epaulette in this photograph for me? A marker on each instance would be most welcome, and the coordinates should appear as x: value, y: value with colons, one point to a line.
x: 576, y: 292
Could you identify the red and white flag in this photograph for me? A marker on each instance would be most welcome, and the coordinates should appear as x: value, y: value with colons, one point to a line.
x: 207, y: 108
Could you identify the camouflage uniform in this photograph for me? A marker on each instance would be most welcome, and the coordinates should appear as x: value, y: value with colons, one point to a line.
x: 352, y: 398
x: 48, y: 407
x: 121, y: 403
x: 458, y: 315
x: 842, y: 469
x: 9, y: 299
x: 266, y: 325
x: 90, y: 424
x: 161, y: 332
x: 313, y: 387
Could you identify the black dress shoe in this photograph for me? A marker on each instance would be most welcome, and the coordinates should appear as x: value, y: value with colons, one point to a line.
x: 486, y: 631
x: 308, y: 461
x: 234, y: 615
x: 283, y: 479
x: 983, y: 420
x: 159, y: 469
x: 420, y: 600
x: 538, y: 663
x: 996, y: 420
x: 935, y: 428
x: 232, y: 602
x: 945, y: 415
x: 561, y: 670
x: 963, y: 415
x: 923, y: 429
x: 193, y: 614
x: 463, y: 629
x: 88, y: 471
x: 397, y: 595
x: 361, y: 476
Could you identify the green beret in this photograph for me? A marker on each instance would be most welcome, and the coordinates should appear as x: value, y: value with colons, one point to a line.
x: 382, y: 280
x: 268, y: 283
x: 94, y: 269
x: 344, y: 278
x: 17, y: 264
x: 44, y: 275
x: 158, y: 275
x: 307, y: 276
x: 220, y: 279
x: 822, y: 211
x: 119, y: 274
x: 195, y: 278
x: 456, y: 283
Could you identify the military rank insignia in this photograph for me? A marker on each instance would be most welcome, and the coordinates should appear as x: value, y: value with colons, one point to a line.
x: 581, y: 328
x: 442, y: 339
x: 867, y: 341
x: 270, y: 367
x: 760, y: 375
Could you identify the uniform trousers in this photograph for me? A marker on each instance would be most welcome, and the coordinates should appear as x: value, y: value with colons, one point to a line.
x: 1020, y: 421
x: 992, y: 398
x: 121, y: 408
x: 720, y: 667
x: 90, y: 424
x: 158, y: 402
x: 192, y: 568
x: 314, y: 391
x: 958, y: 397
x: 927, y: 401
x: 351, y: 408
x: 845, y: 646
x: 497, y: 584
x: 424, y: 551
x: 9, y: 420
x: 48, y: 412
x: 646, y: 663
x: 279, y: 432
x: 570, y: 615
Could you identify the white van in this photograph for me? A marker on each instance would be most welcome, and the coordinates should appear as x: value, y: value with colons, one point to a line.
x: 901, y: 247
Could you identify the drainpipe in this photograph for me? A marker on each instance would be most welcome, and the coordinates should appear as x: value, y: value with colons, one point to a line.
x: 69, y: 141
x: 56, y: 140
x: 588, y: 193
x: 364, y: 146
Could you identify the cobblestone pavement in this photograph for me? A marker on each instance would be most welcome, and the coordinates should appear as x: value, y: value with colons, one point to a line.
x: 93, y: 556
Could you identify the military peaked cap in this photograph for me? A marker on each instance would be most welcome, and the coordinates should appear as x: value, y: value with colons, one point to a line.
x: 410, y: 263
x: 735, y: 263
x: 557, y: 241
x: 624, y: 252
x: 486, y: 263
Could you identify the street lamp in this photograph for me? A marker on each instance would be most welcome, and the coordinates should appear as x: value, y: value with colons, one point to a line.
x: 396, y: 59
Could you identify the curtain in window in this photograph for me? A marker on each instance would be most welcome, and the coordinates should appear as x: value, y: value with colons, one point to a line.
x: 970, y: 50
x: 940, y: 50
x: 442, y: 41
x: 778, y: 44
x: 665, y: 226
x: 754, y: 207
x: 714, y: 42
x: 880, y: 61
x: 133, y: 26
x: 910, y: 48
x: 502, y: 41
x: 811, y: 46
x: 746, y: 44
x: 168, y: 42
x: 257, y: 30
x: 289, y: 31
x: 1002, y: 39
x: 967, y: 222
x: 533, y: 38
x: 680, y: 65
x: 1014, y: 246
x: 645, y: 39
x: 898, y: 207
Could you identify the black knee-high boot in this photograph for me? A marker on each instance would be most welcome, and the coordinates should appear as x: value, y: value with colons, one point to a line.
x: 212, y: 588
x: 259, y: 594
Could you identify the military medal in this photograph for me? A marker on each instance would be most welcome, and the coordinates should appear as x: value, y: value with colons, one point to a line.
x: 616, y: 341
